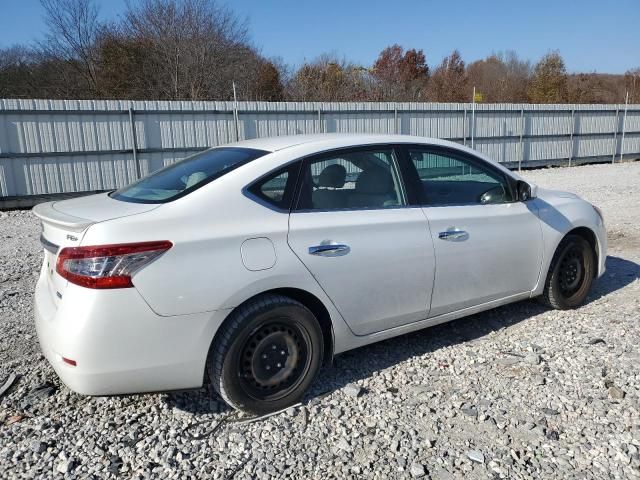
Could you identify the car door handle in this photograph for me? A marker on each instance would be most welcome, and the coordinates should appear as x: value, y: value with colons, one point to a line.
x: 329, y: 250
x: 453, y: 235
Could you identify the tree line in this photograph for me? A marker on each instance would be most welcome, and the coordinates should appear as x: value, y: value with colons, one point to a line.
x: 196, y: 49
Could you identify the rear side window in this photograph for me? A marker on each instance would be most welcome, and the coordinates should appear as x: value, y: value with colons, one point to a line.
x: 185, y: 176
x: 277, y: 188
x: 354, y: 179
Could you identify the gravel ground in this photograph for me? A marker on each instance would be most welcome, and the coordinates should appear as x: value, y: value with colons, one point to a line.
x: 517, y: 392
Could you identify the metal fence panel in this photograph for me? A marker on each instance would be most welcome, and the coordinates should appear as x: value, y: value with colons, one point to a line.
x: 59, y: 146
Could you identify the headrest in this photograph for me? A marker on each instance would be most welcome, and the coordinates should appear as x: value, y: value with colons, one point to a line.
x: 416, y: 156
x: 374, y: 181
x: 194, y: 178
x: 333, y: 176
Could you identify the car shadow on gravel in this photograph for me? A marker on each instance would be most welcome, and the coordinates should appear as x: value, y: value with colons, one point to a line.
x: 620, y: 273
x: 363, y: 362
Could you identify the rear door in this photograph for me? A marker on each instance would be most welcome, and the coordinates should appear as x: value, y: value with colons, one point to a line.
x: 353, y: 230
x: 487, y: 245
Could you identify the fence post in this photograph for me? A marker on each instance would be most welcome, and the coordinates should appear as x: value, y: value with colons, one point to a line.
x: 235, y: 112
x: 464, y: 127
x: 319, y: 121
x: 395, y: 117
x: 624, y: 124
x: 615, y: 136
x: 573, y: 127
x: 473, y: 118
x: 520, y: 145
x: 134, y: 143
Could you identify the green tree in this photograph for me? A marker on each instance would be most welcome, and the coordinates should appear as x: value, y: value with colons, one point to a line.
x: 549, y: 81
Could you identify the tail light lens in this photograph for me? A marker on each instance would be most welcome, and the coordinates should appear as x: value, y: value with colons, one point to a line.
x: 107, y: 266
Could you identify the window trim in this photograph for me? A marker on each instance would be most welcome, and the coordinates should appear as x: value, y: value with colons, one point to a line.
x: 413, y: 178
x: 247, y: 192
x: 329, y: 154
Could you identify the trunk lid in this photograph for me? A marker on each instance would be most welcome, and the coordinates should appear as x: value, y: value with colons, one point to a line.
x: 65, y: 222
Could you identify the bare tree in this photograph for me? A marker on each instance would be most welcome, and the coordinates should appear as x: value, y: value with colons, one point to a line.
x: 501, y: 77
x: 73, y: 30
x: 329, y: 79
x: 193, y: 48
x: 632, y: 84
x: 15, y: 71
x: 595, y: 88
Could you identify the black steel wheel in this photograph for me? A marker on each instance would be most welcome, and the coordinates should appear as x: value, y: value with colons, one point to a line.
x: 571, y: 273
x: 274, y: 359
x: 266, y: 355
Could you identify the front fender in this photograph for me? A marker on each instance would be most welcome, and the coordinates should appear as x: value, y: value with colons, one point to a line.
x: 559, y: 214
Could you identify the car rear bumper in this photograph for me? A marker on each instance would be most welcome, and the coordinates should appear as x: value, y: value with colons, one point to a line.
x: 119, y: 344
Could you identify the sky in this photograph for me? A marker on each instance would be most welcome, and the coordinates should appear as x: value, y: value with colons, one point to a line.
x: 591, y: 35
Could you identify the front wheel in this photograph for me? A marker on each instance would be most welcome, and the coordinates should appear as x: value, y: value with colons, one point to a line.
x: 266, y: 355
x: 570, y: 274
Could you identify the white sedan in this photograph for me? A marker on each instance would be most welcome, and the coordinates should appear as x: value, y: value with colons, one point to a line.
x: 250, y: 265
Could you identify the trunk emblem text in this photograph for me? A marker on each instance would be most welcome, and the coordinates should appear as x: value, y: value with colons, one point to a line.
x: 72, y: 238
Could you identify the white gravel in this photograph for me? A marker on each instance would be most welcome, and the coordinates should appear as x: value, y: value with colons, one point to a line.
x: 517, y: 392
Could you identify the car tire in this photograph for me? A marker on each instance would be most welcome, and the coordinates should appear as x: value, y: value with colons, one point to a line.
x: 571, y: 274
x: 266, y: 355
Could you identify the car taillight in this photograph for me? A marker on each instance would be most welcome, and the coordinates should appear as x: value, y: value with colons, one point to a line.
x: 107, y: 266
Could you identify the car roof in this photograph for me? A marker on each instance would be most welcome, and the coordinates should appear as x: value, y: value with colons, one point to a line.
x: 320, y: 142
x: 328, y: 140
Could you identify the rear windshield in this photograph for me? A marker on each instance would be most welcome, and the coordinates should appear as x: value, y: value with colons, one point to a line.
x: 185, y: 176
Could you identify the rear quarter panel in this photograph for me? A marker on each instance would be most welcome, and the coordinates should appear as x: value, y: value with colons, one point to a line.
x: 204, y: 271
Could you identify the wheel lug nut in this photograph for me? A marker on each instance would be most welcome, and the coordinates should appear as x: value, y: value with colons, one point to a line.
x: 268, y: 367
x: 264, y: 355
x: 279, y: 365
x: 281, y: 352
x: 273, y: 347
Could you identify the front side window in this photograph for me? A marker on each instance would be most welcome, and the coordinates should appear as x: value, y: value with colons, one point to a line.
x: 448, y: 179
x: 187, y: 175
x: 351, y: 180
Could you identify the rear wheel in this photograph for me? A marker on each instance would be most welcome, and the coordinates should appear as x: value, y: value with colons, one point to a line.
x: 267, y: 354
x: 570, y: 274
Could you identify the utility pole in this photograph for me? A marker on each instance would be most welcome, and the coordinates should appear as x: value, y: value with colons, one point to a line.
x: 624, y: 124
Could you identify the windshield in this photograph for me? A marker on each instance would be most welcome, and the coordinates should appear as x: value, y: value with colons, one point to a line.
x: 185, y: 176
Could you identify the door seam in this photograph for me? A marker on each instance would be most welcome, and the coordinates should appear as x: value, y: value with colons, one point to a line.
x: 314, y: 277
x: 435, y: 260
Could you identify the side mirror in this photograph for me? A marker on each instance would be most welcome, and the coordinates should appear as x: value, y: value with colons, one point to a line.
x: 523, y: 190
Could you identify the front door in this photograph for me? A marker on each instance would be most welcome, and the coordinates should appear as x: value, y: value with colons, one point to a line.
x: 352, y: 229
x: 487, y: 245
